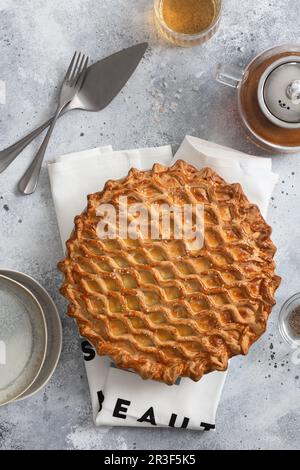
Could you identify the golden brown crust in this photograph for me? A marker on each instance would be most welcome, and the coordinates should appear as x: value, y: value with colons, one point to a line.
x: 155, y: 306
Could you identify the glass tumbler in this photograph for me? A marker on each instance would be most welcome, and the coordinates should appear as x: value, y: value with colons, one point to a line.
x: 289, y: 321
x: 183, y: 39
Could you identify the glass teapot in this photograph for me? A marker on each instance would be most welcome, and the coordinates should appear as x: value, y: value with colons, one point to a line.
x: 268, y: 92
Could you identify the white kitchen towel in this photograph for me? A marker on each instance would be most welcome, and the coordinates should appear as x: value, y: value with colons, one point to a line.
x: 122, y: 398
x: 253, y: 173
x: 74, y: 176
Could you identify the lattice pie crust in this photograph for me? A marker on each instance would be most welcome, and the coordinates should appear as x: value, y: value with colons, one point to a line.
x: 154, y: 306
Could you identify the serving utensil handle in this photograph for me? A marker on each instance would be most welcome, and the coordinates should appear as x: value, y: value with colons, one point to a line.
x: 29, y: 181
x: 8, y: 155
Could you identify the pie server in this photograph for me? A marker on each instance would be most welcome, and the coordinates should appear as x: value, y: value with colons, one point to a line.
x: 103, y: 82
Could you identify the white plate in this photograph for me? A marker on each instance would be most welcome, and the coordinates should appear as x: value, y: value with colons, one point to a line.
x: 54, y: 330
x: 23, y: 339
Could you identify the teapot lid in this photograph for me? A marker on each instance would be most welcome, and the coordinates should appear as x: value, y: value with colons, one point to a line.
x: 279, y: 92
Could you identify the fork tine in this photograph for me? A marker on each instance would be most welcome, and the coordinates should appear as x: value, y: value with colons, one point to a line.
x: 75, y: 68
x: 82, y: 73
x: 68, y: 74
x: 81, y: 64
x: 78, y: 70
x: 85, y: 65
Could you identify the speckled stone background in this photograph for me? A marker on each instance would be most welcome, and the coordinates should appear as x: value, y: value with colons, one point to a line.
x: 172, y: 93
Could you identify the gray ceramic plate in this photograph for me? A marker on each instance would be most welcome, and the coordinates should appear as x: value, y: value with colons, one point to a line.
x: 54, y: 330
x: 23, y: 339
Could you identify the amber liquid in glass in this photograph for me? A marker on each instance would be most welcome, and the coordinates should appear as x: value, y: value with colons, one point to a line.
x: 188, y: 16
x: 187, y: 22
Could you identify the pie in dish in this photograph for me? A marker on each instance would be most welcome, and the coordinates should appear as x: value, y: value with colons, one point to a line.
x: 159, y: 307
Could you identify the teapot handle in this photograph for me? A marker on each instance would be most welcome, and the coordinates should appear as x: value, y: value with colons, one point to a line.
x: 229, y: 75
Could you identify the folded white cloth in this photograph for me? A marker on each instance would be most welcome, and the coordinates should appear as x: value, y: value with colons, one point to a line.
x: 74, y: 176
x: 122, y: 398
x: 253, y: 173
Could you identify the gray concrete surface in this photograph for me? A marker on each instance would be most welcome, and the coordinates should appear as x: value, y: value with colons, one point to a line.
x: 172, y: 94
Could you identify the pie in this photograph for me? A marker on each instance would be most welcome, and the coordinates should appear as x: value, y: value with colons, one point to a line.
x: 160, y: 307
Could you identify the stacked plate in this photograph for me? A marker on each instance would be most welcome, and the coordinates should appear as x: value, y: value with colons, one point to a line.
x: 30, y: 336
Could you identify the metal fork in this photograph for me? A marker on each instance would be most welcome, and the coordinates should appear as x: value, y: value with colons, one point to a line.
x: 71, y: 84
